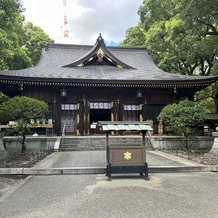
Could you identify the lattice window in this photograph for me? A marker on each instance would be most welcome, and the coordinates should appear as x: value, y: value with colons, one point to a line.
x: 131, y: 112
x: 100, y: 105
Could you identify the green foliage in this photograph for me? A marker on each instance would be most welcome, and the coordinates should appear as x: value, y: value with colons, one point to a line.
x: 11, y: 35
x: 182, y: 118
x: 135, y: 36
x: 14, y: 37
x: 35, y: 40
x: 207, y: 97
x: 182, y: 35
x: 24, y: 108
x: 21, y: 110
x: 3, y: 97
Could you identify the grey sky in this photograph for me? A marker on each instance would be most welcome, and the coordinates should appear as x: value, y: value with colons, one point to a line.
x: 86, y: 18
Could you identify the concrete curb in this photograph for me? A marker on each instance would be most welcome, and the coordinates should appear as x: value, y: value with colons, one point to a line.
x: 43, y: 171
x: 177, y: 169
x: 11, y: 171
x: 14, y: 189
x: 213, y: 168
x: 102, y: 170
x: 84, y: 170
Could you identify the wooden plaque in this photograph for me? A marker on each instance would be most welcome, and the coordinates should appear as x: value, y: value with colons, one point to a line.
x: 127, y: 155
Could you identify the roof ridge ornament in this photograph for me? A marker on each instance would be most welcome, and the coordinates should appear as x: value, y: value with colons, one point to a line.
x: 100, y: 38
x: 99, y: 54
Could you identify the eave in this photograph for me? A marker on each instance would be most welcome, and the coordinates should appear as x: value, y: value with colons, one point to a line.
x: 36, y: 81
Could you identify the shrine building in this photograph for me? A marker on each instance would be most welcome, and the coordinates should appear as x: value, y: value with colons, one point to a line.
x: 84, y: 84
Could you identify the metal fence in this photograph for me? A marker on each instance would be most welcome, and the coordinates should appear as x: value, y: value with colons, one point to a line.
x: 194, y: 155
x: 26, y: 159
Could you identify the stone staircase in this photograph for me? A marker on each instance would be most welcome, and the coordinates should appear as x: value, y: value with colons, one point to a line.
x: 87, y: 143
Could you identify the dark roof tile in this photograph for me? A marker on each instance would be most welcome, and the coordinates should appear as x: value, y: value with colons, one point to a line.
x: 55, y: 56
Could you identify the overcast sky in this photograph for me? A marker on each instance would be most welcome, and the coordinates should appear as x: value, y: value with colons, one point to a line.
x: 86, y: 18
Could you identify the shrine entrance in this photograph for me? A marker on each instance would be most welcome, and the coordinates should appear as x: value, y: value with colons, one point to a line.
x: 99, y: 115
x: 68, y: 118
x: 100, y: 111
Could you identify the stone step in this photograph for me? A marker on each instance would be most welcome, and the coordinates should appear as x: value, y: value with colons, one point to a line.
x: 71, y: 147
x: 83, y: 147
x: 96, y: 143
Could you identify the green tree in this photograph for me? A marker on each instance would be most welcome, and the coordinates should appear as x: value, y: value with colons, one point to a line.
x: 12, y: 55
x: 208, y: 97
x: 35, y: 40
x: 20, y: 43
x: 22, y: 110
x: 182, y: 34
x: 182, y: 119
x: 135, y: 36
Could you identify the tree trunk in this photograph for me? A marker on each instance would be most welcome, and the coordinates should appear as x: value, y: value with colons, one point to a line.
x: 23, y: 144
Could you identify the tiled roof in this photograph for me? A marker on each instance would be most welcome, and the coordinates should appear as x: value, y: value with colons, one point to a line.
x: 101, y: 55
x: 56, y: 56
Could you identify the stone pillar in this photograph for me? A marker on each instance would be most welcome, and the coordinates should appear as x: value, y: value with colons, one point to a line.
x: 3, y: 153
x: 214, y: 148
x: 160, y: 128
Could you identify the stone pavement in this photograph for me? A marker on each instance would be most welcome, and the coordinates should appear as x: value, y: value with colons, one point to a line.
x: 94, y: 162
x: 98, y: 159
x: 171, y: 195
x: 189, y: 194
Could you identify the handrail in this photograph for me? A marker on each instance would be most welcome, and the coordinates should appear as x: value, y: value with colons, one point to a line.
x: 151, y: 140
x: 63, y: 136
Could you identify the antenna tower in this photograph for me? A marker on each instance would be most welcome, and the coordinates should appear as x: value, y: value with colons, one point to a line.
x: 65, y: 29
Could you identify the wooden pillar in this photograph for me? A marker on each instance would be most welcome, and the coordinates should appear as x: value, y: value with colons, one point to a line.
x: 107, y: 146
x: 56, y: 113
x: 143, y: 112
x: 79, y: 118
x: 114, y: 111
x: 83, y: 118
x: 143, y: 137
x: 120, y: 112
x: 86, y: 118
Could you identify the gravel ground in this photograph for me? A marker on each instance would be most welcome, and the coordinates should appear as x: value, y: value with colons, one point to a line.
x: 9, y: 181
x: 19, y: 160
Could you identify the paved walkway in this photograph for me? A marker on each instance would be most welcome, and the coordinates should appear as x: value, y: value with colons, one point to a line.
x: 98, y: 159
x: 94, y: 162
x: 171, y: 195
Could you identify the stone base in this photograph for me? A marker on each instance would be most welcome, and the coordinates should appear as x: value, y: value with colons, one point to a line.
x: 3, y: 153
x: 215, y: 134
x: 214, y: 148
